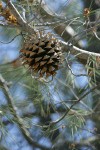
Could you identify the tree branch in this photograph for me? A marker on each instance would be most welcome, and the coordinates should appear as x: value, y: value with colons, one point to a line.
x: 27, y: 28
x: 10, y: 100
x: 75, y: 50
x: 76, y: 102
x: 23, y: 24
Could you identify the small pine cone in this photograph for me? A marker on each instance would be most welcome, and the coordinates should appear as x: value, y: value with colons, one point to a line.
x: 6, y: 13
x: 12, y: 19
x: 42, y: 53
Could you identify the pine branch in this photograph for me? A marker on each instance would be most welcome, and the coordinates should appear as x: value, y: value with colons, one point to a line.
x: 83, y: 53
x: 76, y: 102
x: 27, y: 28
x: 22, y: 23
x: 10, y: 101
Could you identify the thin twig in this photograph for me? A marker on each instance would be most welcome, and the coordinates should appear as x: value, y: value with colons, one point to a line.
x: 11, y: 39
x: 69, y: 67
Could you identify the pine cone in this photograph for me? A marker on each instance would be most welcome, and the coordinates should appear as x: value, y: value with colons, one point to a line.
x: 42, y: 53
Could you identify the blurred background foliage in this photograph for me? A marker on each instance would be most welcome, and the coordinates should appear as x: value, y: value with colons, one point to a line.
x: 39, y: 104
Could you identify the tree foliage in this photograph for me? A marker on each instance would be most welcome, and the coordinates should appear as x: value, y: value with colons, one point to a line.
x: 55, y: 112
